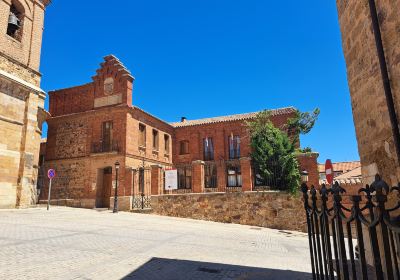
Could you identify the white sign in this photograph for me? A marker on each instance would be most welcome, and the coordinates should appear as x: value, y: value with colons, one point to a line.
x: 171, y: 179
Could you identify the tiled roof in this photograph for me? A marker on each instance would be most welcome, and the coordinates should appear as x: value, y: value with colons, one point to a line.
x: 350, y: 178
x: 341, y: 166
x: 355, y: 173
x: 237, y: 117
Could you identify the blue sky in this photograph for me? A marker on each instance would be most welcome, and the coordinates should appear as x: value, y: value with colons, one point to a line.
x: 203, y: 58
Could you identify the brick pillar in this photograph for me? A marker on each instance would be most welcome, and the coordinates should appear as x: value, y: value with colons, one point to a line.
x: 221, y: 176
x: 156, y: 179
x: 308, y: 162
x: 245, y: 168
x: 198, y: 176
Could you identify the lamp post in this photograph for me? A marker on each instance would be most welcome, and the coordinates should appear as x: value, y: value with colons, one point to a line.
x: 304, y: 176
x: 115, y: 210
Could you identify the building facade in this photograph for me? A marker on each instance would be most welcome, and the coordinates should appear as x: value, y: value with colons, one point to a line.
x: 371, y: 45
x: 21, y: 98
x: 95, y: 125
x: 373, y: 126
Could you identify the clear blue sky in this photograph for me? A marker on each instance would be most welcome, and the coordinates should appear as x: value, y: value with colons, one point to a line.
x: 203, y: 58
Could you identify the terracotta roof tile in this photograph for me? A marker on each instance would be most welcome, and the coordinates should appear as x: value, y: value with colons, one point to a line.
x: 341, y: 166
x: 237, y: 117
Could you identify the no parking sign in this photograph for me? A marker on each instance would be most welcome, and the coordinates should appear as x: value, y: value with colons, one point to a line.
x: 51, y: 173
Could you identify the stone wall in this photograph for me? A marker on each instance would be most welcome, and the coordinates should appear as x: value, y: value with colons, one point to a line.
x: 22, y: 103
x: 71, y: 138
x: 370, y: 111
x: 265, y: 209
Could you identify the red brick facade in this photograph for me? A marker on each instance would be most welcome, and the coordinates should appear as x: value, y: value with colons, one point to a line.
x: 94, y: 125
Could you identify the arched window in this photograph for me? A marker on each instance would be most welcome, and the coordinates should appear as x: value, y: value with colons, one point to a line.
x: 15, y: 21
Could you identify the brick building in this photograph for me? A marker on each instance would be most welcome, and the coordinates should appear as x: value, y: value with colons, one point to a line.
x: 22, y: 100
x: 95, y: 125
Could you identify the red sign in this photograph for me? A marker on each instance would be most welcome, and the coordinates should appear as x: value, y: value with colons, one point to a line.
x: 51, y: 173
x: 329, y: 171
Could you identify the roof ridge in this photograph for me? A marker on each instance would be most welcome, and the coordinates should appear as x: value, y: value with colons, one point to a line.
x: 231, y: 117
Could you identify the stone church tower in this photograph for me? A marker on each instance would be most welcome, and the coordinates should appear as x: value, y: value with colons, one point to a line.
x: 21, y: 99
x: 376, y: 128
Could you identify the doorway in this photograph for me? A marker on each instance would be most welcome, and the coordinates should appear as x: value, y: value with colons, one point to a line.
x: 104, y: 186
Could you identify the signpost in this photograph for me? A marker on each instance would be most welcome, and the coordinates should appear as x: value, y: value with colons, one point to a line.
x: 329, y: 171
x: 51, y: 173
x: 171, y: 179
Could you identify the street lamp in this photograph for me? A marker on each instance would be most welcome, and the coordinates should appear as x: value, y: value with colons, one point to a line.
x: 304, y: 176
x: 115, y: 210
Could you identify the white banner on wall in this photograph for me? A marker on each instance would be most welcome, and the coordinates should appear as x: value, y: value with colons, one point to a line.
x: 171, y: 179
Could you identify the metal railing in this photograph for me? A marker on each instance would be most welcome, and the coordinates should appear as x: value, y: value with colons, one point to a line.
x: 337, y: 252
x: 105, y: 147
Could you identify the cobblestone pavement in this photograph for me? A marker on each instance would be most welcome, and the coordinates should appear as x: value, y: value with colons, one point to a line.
x: 67, y: 243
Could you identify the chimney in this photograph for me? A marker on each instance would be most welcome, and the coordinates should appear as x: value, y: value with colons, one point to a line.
x: 183, y: 119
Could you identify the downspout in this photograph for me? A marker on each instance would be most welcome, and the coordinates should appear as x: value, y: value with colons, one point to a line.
x: 385, y: 78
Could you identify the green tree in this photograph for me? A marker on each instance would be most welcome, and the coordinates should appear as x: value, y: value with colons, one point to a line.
x: 303, y: 122
x: 273, y: 154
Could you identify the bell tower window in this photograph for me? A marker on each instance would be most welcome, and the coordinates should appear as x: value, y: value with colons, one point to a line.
x: 15, y: 23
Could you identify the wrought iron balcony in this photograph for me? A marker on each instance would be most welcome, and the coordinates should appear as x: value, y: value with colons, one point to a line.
x: 105, y: 147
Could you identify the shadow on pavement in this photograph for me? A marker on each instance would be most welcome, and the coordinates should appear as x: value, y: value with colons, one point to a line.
x: 170, y: 269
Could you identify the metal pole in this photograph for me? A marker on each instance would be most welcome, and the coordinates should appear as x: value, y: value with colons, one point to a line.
x: 385, y: 78
x: 48, y: 199
x: 133, y: 187
x: 142, y: 186
x: 115, y: 210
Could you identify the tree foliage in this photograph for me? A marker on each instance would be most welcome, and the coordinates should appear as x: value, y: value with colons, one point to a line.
x: 303, y: 122
x: 273, y: 154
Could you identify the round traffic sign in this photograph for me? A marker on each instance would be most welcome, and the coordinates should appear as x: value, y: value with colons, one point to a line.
x: 51, y: 173
x: 329, y: 171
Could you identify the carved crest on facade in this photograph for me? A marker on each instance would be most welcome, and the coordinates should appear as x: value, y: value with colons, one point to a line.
x: 109, y: 86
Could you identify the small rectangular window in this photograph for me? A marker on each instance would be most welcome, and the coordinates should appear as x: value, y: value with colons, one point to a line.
x: 183, y: 147
x: 142, y: 135
x: 166, y: 143
x: 155, y: 139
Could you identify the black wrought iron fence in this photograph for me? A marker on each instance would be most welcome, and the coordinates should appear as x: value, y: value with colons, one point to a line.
x: 339, y: 253
x: 275, y: 180
x: 141, y: 192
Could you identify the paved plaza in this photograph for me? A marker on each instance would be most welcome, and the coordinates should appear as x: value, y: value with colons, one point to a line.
x: 67, y: 243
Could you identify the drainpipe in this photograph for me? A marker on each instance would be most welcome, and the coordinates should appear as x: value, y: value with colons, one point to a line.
x: 385, y: 77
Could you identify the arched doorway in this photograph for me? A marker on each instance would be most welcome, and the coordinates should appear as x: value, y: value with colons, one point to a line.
x: 103, y: 186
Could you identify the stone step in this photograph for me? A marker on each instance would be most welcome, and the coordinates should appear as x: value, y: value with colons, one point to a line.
x: 143, y: 211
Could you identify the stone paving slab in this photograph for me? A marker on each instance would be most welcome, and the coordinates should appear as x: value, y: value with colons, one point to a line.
x: 70, y: 243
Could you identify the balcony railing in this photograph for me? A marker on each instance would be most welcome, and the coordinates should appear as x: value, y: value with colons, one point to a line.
x: 105, y: 147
